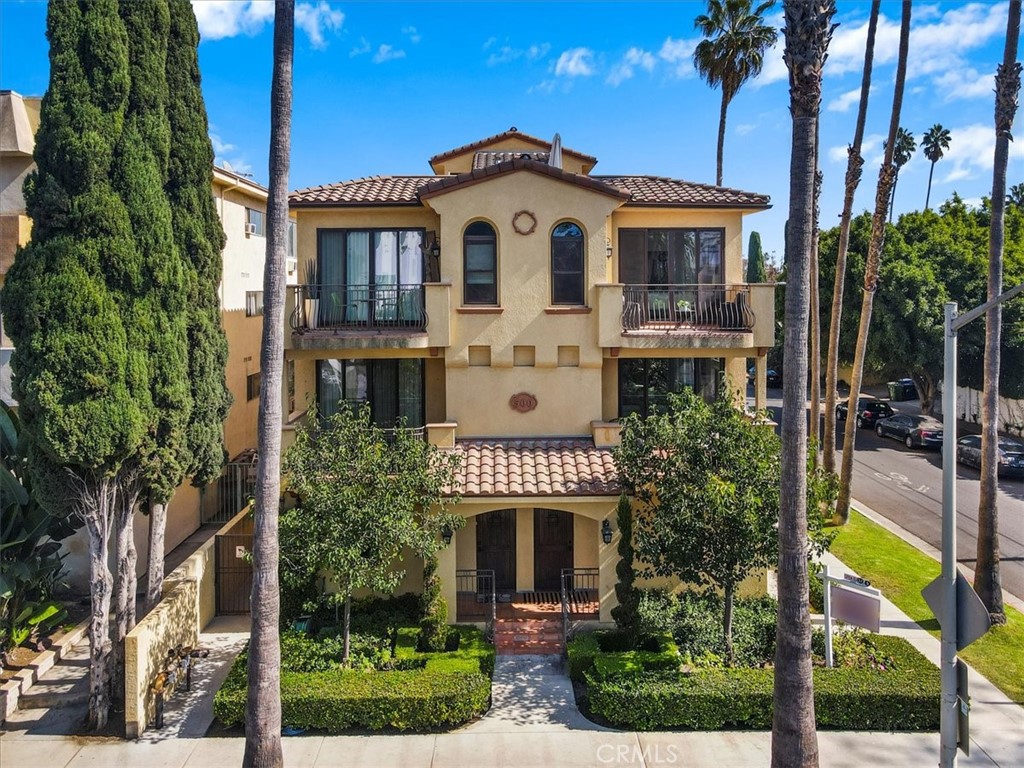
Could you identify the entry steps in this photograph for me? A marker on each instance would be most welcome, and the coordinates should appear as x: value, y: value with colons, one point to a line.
x: 531, y: 636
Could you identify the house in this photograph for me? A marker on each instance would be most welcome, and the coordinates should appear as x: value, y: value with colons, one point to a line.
x: 241, y: 204
x: 512, y: 305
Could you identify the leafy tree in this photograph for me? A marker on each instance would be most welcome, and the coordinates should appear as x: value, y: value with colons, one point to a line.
x: 263, y: 700
x: 886, y: 184
x: 199, y: 240
x: 628, y: 596
x: 364, y: 500
x: 808, y: 32
x: 935, y: 142
x: 854, y: 169
x: 903, y: 150
x: 706, y: 483
x: 987, y: 581
x: 755, y: 260
x: 1015, y: 196
x: 81, y: 385
x: 731, y: 52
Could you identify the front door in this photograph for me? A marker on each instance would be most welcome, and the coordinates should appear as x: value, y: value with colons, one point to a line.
x: 552, y: 547
x: 496, y: 546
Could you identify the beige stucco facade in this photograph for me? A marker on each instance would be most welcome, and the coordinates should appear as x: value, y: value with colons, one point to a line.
x: 477, y: 357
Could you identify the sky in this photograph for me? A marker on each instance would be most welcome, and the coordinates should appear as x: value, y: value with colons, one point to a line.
x: 379, y: 87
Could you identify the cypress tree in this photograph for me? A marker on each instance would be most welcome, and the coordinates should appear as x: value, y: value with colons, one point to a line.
x: 81, y: 385
x: 755, y: 260
x: 626, y: 613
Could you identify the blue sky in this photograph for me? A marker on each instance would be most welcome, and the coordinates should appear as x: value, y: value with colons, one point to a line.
x: 380, y: 87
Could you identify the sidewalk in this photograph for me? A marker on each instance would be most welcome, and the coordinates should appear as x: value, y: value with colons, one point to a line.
x: 532, y: 724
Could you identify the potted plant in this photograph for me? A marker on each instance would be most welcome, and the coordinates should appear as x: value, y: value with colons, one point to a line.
x: 312, y: 287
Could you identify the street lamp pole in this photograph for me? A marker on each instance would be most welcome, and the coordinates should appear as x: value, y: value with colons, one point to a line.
x: 948, y: 726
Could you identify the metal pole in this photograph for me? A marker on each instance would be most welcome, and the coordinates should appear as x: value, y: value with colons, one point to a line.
x: 948, y: 712
x: 827, y: 607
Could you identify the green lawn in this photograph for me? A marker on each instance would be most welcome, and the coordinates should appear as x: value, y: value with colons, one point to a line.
x: 901, y: 571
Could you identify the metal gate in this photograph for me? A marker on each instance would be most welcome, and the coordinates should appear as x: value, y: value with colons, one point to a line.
x: 234, y: 572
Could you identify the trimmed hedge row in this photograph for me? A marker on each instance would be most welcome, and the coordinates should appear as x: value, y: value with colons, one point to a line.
x: 338, y: 700
x: 905, y: 698
x: 590, y: 652
x: 474, y: 653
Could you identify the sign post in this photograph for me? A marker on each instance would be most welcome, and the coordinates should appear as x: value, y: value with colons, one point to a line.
x: 850, y: 599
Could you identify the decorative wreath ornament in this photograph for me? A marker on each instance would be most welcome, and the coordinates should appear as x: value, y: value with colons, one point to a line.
x: 524, y: 222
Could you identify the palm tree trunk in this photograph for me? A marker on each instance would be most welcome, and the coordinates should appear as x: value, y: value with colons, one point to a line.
x: 157, y: 540
x: 794, y: 740
x: 721, y: 135
x: 263, y: 701
x: 854, y: 166
x: 987, y: 580
x: 814, y: 423
x: 928, y: 197
x: 886, y: 179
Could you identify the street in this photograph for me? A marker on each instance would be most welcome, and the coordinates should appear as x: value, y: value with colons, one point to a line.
x: 905, y: 486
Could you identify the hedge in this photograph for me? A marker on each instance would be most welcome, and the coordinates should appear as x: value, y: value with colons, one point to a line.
x: 590, y: 652
x: 905, y: 698
x: 335, y: 701
x: 474, y: 654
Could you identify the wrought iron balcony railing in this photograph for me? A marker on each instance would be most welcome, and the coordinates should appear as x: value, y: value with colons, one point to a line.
x: 708, y: 306
x: 358, y: 307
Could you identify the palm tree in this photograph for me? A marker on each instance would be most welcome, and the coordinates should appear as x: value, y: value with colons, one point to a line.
x: 905, y: 146
x: 854, y: 166
x: 263, y: 701
x: 808, y: 31
x: 886, y: 180
x: 987, y: 582
x: 1015, y: 196
x: 935, y: 141
x: 732, y: 51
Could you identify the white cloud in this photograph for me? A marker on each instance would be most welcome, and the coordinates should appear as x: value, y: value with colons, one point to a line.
x: 412, y: 34
x: 387, y: 53
x: 575, y: 62
x: 634, y: 57
x: 489, y: 42
x: 680, y: 54
x: 363, y: 47
x: 870, y: 150
x: 544, y: 86
x: 970, y: 153
x: 219, y: 19
x: 744, y: 128
x: 507, y: 53
x: 844, y: 101
x: 966, y: 84
x: 314, y: 19
x: 226, y: 154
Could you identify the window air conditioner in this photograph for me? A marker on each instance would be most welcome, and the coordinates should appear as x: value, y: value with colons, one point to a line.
x: 291, y: 265
x: 250, y: 228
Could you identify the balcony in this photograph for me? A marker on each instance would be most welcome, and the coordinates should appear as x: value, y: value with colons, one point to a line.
x: 331, y: 317
x: 696, y: 316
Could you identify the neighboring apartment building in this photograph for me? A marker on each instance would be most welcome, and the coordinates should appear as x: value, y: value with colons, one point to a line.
x: 241, y: 204
x: 514, y: 306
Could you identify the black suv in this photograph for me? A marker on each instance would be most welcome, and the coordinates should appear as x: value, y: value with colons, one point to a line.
x: 868, y: 412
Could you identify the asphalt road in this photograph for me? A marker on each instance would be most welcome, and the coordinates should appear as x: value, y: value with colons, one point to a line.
x: 905, y: 486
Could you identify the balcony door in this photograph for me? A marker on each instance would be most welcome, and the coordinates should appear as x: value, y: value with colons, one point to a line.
x: 681, y: 260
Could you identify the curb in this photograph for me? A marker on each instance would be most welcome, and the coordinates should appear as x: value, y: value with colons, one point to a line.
x: 920, y: 544
x: 13, y: 690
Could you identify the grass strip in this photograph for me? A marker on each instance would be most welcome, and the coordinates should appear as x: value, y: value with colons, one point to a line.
x: 901, y: 571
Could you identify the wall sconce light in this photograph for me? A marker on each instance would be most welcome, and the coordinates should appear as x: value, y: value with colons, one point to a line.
x: 446, y: 534
x: 606, y: 532
x: 435, y: 249
x: 607, y: 248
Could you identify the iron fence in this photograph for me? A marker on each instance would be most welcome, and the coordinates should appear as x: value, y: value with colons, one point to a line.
x: 702, y: 306
x: 475, y: 598
x: 580, y: 596
x: 344, y: 307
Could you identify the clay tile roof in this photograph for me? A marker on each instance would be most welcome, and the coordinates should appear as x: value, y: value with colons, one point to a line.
x: 371, y: 190
x: 553, y: 466
x: 658, y: 191
x: 441, y: 184
x: 512, y: 132
x: 483, y: 159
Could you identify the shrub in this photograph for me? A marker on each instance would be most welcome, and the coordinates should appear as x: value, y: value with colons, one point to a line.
x: 434, y: 624
x: 609, y: 653
x: 628, y: 596
x: 903, y: 697
x: 335, y: 701
x: 473, y: 653
x: 580, y: 653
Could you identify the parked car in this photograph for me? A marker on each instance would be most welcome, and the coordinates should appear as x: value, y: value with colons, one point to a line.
x: 774, y: 377
x: 869, y: 411
x: 914, y: 431
x: 1010, y: 452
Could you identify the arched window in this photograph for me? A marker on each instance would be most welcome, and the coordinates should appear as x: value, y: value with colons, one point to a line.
x: 567, y: 264
x: 480, y: 251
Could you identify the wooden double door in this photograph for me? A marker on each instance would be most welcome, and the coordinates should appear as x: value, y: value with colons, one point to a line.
x: 552, y: 547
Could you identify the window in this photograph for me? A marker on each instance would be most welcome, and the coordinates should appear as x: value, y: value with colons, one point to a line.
x: 255, y: 222
x: 670, y: 256
x: 290, y: 383
x: 253, y: 303
x: 392, y: 388
x: 644, y: 383
x: 252, y: 386
x: 567, y: 264
x: 480, y: 249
